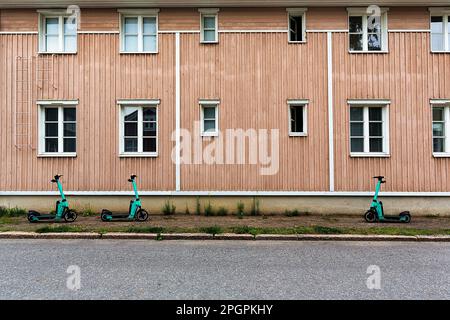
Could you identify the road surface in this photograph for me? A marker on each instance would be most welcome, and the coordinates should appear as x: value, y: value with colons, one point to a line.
x: 37, y: 269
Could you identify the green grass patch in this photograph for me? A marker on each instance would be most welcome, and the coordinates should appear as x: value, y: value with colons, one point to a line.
x: 12, y: 212
x: 59, y: 229
x: 212, y: 230
x: 150, y: 229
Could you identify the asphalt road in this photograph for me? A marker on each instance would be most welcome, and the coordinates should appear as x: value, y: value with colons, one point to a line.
x: 37, y: 269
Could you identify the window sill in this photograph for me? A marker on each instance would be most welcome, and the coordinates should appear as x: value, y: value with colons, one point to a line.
x: 207, y: 134
x: 57, y: 155
x: 209, y: 42
x: 57, y: 52
x: 369, y: 155
x: 298, y: 134
x: 438, y: 52
x: 441, y: 155
x: 369, y: 52
x: 139, y: 155
x: 138, y: 52
x: 297, y: 42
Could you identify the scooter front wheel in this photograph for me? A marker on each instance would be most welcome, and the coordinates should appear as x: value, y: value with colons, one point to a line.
x: 370, y: 216
x: 70, y: 216
x: 141, y: 215
x: 406, y: 218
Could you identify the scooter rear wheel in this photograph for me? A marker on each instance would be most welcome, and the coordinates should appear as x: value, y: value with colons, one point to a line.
x: 141, y: 215
x: 370, y: 216
x: 70, y: 216
x: 407, y: 218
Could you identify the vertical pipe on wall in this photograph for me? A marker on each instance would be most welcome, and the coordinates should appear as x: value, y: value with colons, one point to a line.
x: 330, y: 110
x: 177, y: 113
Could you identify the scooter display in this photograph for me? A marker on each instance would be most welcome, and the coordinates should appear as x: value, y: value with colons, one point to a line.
x: 135, y: 211
x: 62, y: 211
x: 376, y: 211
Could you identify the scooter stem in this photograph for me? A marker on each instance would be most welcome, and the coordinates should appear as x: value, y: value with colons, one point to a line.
x: 377, y: 190
x: 60, y: 188
x: 135, y: 189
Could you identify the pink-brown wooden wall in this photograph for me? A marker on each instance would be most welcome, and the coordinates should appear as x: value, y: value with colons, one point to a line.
x: 253, y: 74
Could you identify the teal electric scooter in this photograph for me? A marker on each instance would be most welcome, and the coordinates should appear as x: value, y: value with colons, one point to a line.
x: 135, y: 211
x: 62, y: 211
x: 376, y: 211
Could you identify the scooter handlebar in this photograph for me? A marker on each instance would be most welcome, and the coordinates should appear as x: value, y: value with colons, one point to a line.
x: 380, y: 178
x: 56, y: 178
x: 132, y: 177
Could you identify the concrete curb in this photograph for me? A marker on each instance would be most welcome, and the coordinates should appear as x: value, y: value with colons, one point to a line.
x: 225, y: 236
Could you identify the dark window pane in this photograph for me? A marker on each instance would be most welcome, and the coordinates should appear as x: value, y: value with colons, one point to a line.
x: 130, y: 144
x: 357, y: 144
x: 149, y: 145
x: 356, y: 129
x: 356, y: 114
x: 438, y: 129
x: 374, y: 42
x: 356, y: 42
x: 51, y: 114
x: 51, y: 129
x: 438, y: 114
x: 209, y: 112
x: 374, y: 24
x: 131, y: 129
x: 149, y: 129
x: 296, y: 118
x: 375, y: 129
x: 375, y: 114
x: 355, y: 24
x: 149, y: 114
x: 438, y: 145
x: 209, y: 126
x: 295, y: 28
x: 70, y: 114
x: 70, y: 130
x: 131, y: 116
x: 51, y: 145
x: 376, y: 145
x: 69, y: 145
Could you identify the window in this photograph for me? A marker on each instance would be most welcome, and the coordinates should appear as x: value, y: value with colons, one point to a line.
x: 367, y: 32
x: 57, y: 32
x: 139, y: 128
x: 139, y: 31
x: 209, y: 117
x: 58, y: 128
x: 297, y: 25
x: 440, y: 30
x: 441, y: 127
x: 297, y: 117
x: 209, y: 25
x: 369, y: 128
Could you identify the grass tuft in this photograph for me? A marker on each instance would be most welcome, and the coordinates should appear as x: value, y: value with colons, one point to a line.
x: 59, y: 229
x: 212, y: 230
x: 168, y: 208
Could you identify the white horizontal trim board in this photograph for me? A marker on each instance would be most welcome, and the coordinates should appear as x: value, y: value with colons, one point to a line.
x: 439, y: 101
x: 98, y: 32
x: 57, y: 102
x: 409, y: 30
x: 368, y: 101
x: 230, y: 193
x: 254, y: 31
x: 18, y: 32
x: 138, y: 101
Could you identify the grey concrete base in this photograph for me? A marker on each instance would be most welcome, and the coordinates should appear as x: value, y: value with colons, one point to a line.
x: 419, y: 206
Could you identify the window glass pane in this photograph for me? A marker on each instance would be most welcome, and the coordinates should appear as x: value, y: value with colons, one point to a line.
x: 131, y: 25
x: 70, y: 26
x: 150, y: 25
x: 295, y: 28
x: 131, y: 129
x: 51, y: 145
x: 69, y: 145
x: 51, y: 114
x: 51, y: 43
x: 376, y: 145
x: 374, y: 24
x: 149, y: 114
x: 375, y: 114
x: 373, y: 42
x: 149, y: 145
x: 150, y: 43
x: 209, y: 125
x: 355, y: 24
x: 130, y: 113
x: 438, y: 114
x: 296, y: 118
x: 209, y: 112
x: 70, y: 130
x: 438, y: 129
x: 356, y: 114
x: 375, y: 129
x: 149, y: 129
x: 70, y: 114
x: 70, y: 43
x: 209, y: 22
x: 357, y: 145
x: 356, y: 129
x: 437, y: 42
x: 130, y: 144
x: 356, y: 42
x: 51, y: 129
x: 131, y: 43
x: 51, y: 26
x: 438, y: 145
x: 209, y: 36
x: 437, y: 24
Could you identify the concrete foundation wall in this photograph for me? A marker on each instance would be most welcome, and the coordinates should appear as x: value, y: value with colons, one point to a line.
x: 419, y: 206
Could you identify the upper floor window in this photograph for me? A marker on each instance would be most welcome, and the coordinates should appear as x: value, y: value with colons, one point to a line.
x: 297, y: 24
x: 440, y: 30
x: 441, y: 127
x: 209, y: 114
x: 139, y: 31
x: 138, y: 127
x: 57, y: 32
x: 297, y: 117
x: 367, y: 30
x: 369, y: 134
x: 57, y: 128
x: 209, y: 25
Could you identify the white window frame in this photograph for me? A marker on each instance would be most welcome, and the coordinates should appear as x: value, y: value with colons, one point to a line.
x: 209, y: 12
x: 304, y: 105
x: 61, y: 15
x: 297, y: 12
x: 60, y: 104
x: 365, y: 104
x: 140, y: 15
x: 445, y: 14
x: 209, y: 104
x: 362, y: 12
x: 140, y: 104
x: 441, y: 103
